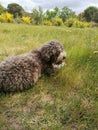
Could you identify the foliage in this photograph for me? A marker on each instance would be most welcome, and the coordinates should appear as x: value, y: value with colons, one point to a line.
x: 95, y: 17
x: 1, y: 9
x: 54, y: 21
x: 81, y: 16
x: 52, y: 14
x: 15, y: 9
x: 2, y: 18
x: 6, y: 17
x: 56, y: 17
x: 66, y: 13
x: 9, y: 17
x: 70, y: 22
x: 73, y: 22
x: 37, y: 15
x: 89, y: 12
x: 48, y: 23
x: 18, y: 20
x: 26, y: 20
x: 57, y: 21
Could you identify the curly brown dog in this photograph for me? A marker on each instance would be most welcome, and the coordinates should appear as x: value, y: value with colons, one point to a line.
x: 21, y: 72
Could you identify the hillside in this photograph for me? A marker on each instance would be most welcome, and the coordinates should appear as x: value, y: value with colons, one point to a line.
x: 66, y: 100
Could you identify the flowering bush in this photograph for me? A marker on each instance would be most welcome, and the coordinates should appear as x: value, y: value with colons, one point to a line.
x: 9, y: 17
x: 6, y: 17
x: 70, y: 22
x: 2, y: 18
x: 48, y: 23
x: 79, y: 24
x: 73, y: 22
x: 26, y: 20
x: 57, y: 21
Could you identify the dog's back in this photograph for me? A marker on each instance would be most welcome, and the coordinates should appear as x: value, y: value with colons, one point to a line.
x: 18, y: 72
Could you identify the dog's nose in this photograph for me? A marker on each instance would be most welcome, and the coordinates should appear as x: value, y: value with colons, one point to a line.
x: 64, y: 57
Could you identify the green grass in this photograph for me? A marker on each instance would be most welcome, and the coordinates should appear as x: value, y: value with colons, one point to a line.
x: 68, y: 99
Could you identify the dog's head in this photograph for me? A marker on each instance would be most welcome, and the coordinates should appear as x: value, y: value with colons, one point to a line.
x: 53, y: 53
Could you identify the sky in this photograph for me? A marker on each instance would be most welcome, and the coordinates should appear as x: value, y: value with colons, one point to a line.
x: 76, y: 5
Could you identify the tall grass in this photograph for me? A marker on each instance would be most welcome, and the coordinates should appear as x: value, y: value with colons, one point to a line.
x: 66, y: 100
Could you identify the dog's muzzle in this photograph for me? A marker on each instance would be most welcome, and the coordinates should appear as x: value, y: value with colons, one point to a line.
x: 60, y: 62
x: 61, y: 57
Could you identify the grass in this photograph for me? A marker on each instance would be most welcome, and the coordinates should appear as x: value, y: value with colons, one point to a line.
x: 68, y: 99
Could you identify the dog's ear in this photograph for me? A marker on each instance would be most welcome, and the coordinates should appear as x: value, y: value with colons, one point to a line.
x: 47, y: 52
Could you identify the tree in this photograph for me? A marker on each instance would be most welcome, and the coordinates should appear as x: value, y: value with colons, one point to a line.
x: 66, y: 13
x: 38, y: 15
x: 1, y: 9
x: 52, y: 14
x: 95, y: 17
x: 15, y: 9
x: 81, y: 16
x: 89, y: 12
x: 57, y: 11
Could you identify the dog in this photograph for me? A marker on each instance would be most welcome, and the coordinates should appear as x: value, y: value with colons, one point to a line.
x: 21, y: 72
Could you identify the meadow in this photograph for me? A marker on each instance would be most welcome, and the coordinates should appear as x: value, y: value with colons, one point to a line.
x: 66, y: 100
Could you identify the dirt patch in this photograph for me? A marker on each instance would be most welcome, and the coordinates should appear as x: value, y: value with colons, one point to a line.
x: 47, y: 99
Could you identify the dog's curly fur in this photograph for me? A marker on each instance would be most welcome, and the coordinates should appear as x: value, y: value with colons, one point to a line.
x: 21, y: 72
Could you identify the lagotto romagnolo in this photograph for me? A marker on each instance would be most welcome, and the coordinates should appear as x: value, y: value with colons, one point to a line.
x: 21, y: 72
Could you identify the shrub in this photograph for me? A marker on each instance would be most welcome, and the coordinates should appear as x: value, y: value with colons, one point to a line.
x: 73, y: 22
x: 70, y: 22
x: 26, y: 20
x: 2, y: 18
x: 48, y: 23
x: 93, y: 24
x: 9, y: 17
x: 6, y: 17
x: 57, y: 21
x: 79, y: 24
x: 18, y: 20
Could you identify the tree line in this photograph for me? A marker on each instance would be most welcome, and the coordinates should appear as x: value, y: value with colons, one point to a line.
x: 90, y: 14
